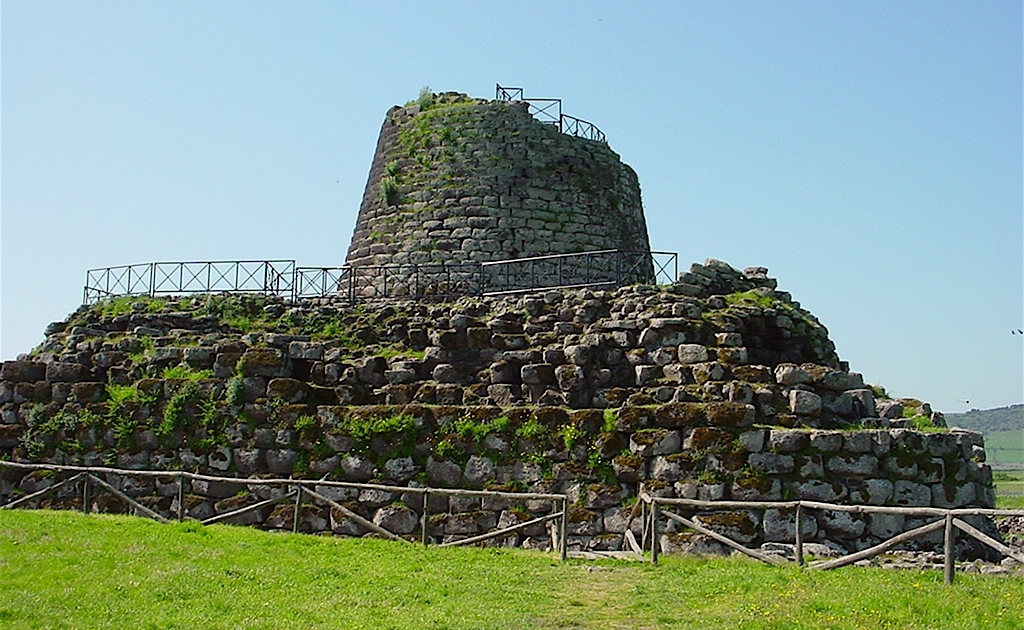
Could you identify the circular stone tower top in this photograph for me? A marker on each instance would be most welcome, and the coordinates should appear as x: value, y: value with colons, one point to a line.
x: 457, y: 179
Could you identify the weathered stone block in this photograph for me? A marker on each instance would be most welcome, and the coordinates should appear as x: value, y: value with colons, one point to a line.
x: 356, y: 468
x: 910, y: 494
x: 886, y: 525
x: 400, y: 376
x: 863, y: 403
x: 804, y: 403
x: 733, y: 356
x: 538, y: 374
x: 842, y: 525
x: 288, y: 389
x: 263, y: 362
x: 676, y: 415
x: 478, y: 470
x: 67, y: 373
x: 787, y: 441
x: 397, y: 519
x: 826, y: 441
x: 853, y: 465
x: 443, y: 473
x: 690, y: 353
x: 400, y: 469
x: 569, y: 377
x: 22, y: 371
x: 647, y: 374
x: 650, y: 442
x: 730, y: 414
x: 704, y: 372
x: 306, y: 350
x: 819, y: 490
x: 771, y: 463
x: 754, y: 440
x: 220, y: 458
x: 757, y: 489
x: 781, y: 526
x: 505, y: 372
x: 216, y: 489
x: 871, y: 492
x: 841, y: 381
x: 789, y: 374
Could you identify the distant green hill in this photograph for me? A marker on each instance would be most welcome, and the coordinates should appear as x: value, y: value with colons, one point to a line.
x: 989, y: 420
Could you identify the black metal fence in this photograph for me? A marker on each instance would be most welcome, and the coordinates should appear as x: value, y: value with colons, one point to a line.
x: 598, y: 269
x: 549, y: 111
x: 273, y: 277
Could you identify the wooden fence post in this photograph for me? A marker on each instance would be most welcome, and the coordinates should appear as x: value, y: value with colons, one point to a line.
x: 86, y: 495
x: 799, y: 542
x: 643, y: 522
x: 950, y: 548
x: 425, y: 516
x: 564, y: 527
x: 298, y: 510
x: 181, y: 496
x: 654, y: 532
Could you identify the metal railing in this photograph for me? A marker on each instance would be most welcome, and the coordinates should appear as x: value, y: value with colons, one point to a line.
x: 390, y: 281
x: 549, y: 111
x: 272, y: 277
x: 581, y: 128
x: 603, y: 268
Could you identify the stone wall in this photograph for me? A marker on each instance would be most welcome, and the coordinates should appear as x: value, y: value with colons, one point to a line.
x: 716, y: 387
x: 456, y: 179
x: 688, y: 450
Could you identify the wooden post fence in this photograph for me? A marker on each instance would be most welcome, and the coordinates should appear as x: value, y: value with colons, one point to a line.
x: 649, y: 509
x: 947, y: 521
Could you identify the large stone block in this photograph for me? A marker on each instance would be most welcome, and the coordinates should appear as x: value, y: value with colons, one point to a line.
x: 263, y: 362
x: 853, y: 465
x: 67, y: 373
x: 804, y: 403
x: 780, y: 526
x: 22, y: 371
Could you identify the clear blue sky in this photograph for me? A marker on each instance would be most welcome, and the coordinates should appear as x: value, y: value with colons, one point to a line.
x: 867, y: 153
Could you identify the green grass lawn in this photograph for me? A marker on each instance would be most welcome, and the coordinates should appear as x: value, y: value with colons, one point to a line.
x: 1005, y: 449
x: 1009, y: 489
x: 68, y: 570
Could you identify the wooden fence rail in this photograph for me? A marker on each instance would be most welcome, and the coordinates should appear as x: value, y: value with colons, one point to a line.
x: 650, y: 509
x: 656, y: 507
x: 296, y: 490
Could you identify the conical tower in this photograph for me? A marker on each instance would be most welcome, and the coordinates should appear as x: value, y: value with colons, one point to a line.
x: 458, y: 179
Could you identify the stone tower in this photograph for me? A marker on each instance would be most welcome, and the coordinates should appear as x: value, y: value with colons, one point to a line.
x: 458, y: 179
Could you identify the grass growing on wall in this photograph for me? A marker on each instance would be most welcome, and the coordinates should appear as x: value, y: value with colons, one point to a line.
x: 68, y: 570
